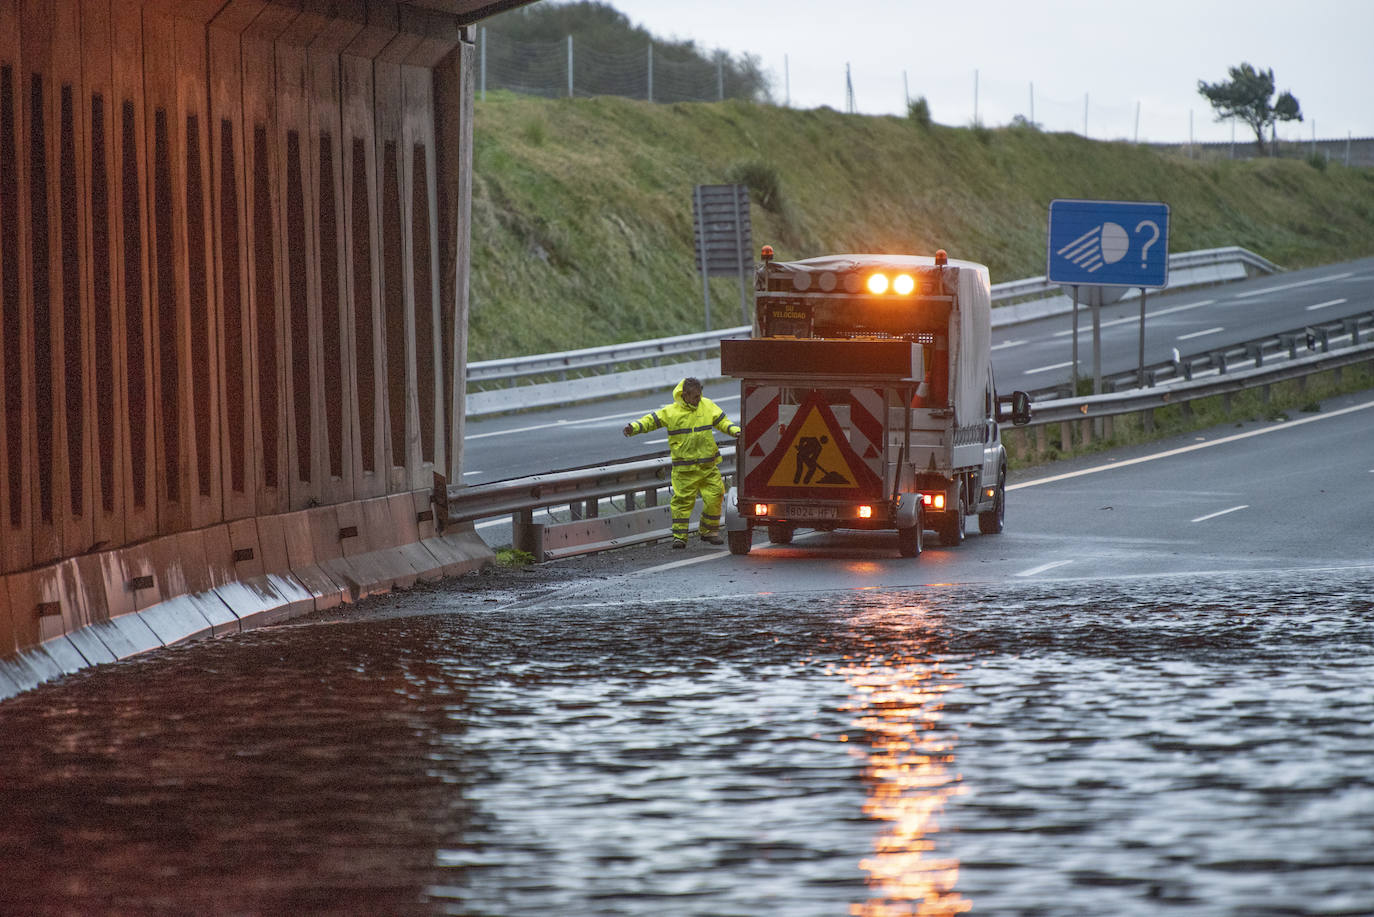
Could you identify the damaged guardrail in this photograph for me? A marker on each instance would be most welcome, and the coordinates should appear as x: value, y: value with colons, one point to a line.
x: 639, y: 481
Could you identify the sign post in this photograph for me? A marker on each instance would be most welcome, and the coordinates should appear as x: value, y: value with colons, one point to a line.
x: 720, y: 216
x: 1103, y: 244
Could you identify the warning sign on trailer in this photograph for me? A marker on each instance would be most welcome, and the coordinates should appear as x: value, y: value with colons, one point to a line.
x: 813, y: 458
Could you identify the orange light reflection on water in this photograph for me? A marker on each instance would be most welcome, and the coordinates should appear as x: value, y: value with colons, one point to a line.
x: 896, y: 706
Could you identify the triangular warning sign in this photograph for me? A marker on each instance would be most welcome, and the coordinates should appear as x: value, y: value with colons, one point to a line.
x: 813, y: 458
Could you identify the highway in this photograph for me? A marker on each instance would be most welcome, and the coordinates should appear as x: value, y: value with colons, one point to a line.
x: 1030, y: 355
x: 1247, y: 499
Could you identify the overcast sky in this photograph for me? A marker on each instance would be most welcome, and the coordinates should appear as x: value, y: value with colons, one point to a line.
x: 1120, y: 55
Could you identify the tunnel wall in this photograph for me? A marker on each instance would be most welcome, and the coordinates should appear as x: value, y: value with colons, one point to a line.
x: 233, y: 294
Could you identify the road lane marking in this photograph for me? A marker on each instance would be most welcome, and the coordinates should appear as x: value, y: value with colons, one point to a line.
x: 1005, y: 344
x: 1234, y: 509
x: 1168, y: 453
x: 632, y: 415
x: 1198, y: 334
x: 1045, y: 369
x: 468, y: 474
x: 1292, y: 286
x: 1323, y: 305
x: 1136, y: 318
x: 1033, y: 571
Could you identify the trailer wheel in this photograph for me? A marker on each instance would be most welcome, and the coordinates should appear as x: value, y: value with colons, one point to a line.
x: 740, y: 542
x: 994, y: 520
x: 909, y: 541
x: 779, y: 533
x: 952, y: 526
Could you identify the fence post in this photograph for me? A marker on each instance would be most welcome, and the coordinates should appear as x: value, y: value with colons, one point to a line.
x: 570, y: 67
x: 651, y: 72
x: 482, y: 79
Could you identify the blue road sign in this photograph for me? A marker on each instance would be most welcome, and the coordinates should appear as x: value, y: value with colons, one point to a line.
x: 1109, y: 243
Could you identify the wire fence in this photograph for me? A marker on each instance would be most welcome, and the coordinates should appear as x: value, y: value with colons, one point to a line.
x: 565, y: 68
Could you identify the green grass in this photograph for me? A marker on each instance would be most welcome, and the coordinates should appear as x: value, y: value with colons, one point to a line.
x: 582, y: 215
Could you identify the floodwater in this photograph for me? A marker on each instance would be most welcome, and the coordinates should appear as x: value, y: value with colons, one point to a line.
x: 1141, y: 747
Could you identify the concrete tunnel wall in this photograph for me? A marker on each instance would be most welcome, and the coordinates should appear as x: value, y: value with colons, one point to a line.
x: 233, y: 297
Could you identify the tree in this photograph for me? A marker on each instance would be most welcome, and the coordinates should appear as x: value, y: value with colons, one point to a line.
x: 1246, y: 96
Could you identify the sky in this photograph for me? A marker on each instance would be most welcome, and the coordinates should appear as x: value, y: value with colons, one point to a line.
x: 1136, y: 65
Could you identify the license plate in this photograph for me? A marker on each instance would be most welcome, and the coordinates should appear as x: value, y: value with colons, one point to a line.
x: 811, y: 512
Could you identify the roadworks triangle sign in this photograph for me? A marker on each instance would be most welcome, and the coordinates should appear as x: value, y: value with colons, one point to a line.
x: 813, y: 458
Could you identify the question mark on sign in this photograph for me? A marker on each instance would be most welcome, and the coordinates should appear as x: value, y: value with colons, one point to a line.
x: 1144, y: 249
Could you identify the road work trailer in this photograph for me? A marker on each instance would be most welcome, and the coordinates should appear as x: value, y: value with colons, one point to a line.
x: 868, y: 401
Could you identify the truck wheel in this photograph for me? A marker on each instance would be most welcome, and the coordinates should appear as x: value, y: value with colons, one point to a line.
x: 994, y: 520
x: 740, y: 542
x: 952, y: 529
x: 909, y: 541
x: 779, y: 533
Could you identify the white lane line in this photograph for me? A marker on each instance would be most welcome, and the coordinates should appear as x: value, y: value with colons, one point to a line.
x: 1005, y: 344
x: 468, y: 474
x: 1045, y: 369
x: 1323, y: 305
x: 1198, y: 334
x: 633, y: 415
x: 685, y: 562
x: 1234, y: 509
x: 1293, y: 286
x: 1194, y: 447
x: 490, y: 522
x: 1033, y: 571
x: 1136, y: 318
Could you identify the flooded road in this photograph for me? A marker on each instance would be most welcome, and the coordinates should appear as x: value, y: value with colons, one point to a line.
x: 1189, y: 745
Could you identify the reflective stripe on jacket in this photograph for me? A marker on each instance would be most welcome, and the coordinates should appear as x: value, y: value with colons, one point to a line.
x: 691, y: 438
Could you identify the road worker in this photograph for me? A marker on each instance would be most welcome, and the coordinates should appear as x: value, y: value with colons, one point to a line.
x: 691, y: 421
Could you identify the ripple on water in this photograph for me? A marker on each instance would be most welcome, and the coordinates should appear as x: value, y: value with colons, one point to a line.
x: 1081, y: 748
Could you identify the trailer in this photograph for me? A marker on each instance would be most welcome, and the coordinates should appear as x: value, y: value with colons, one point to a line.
x: 867, y: 401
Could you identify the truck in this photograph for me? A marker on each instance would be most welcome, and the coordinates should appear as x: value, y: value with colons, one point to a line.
x: 867, y: 401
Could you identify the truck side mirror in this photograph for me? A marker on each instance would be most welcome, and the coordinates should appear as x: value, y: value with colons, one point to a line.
x: 1020, y: 408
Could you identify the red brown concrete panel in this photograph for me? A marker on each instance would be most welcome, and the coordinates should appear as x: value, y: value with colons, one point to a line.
x: 238, y: 378
x: 398, y: 315
x: 175, y: 471
x: 306, y: 465
x: 100, y: 119
x: 74, y: 420
x: 419, y: 177
x: 339, y: 407
x: 454, y: 94
x: 136, y: 501
x: 362, y: 240
x: 196, y: 267
x: 34, y: 122
x: 266, y: 292
x: 16, y: 344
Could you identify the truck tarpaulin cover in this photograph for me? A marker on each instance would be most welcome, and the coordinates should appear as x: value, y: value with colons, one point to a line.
x: 970, y: 324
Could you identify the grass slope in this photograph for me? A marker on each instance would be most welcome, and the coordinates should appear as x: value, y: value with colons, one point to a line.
x: 582, y: 214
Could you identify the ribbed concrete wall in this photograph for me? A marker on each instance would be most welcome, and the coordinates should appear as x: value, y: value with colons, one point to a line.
x: 233, y: 288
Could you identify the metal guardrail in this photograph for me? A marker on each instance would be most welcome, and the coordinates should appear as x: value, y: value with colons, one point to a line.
x: 583, y: 489
x: 516, y: 383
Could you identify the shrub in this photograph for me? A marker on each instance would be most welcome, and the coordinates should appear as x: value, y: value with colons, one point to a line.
x: 918, y: 110
x: 762, y: 180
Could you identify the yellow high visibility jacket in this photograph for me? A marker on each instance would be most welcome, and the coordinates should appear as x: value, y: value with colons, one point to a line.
x: 690, y: 437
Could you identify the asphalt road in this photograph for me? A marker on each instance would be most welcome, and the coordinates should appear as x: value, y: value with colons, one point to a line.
x: 1027, y: 356
x: 1254, y: 498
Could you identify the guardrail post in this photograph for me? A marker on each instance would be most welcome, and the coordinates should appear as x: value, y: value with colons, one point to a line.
x: 1066, y: 436
x: 1352, y: 328
x: 1255, y: 352
x: 1147, y: 420
x: 1291, y: 342
x: 1218, y: 359
x: 1042, y: 437
x: 527, y: 535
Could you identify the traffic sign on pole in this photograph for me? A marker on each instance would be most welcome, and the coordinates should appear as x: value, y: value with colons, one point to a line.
x: 1108, y: 243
